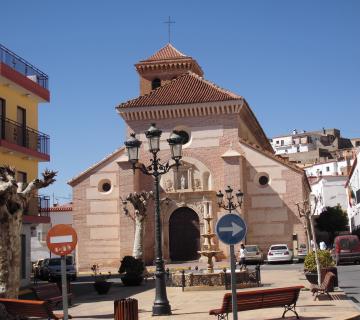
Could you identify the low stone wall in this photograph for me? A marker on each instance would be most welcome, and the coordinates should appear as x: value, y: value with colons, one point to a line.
x: 244, y: 279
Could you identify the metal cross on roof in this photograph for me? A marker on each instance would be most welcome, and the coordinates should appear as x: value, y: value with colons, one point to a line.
x: 169, y: 22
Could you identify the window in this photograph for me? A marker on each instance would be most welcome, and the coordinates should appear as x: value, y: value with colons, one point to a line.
x: 282, y: 142
x: 184, y: 132
x: 104, y: 186
x: 22, y: 177
x: 184, y: 135
x: 262, y: 179
x: 277, y: 141
x: 327, y: 169
x: 156, y: 83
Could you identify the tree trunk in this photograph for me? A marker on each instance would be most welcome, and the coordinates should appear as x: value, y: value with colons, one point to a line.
x: 10, y: 252
x: 138, y: 249
x: 13, y: 200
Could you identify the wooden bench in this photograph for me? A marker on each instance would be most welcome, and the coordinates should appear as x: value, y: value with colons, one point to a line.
x: 326, y: 286
x: 50, y: 293
x: 30, y: 308
x: 259, y: 299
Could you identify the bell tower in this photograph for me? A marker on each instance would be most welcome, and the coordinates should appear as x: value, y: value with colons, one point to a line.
x: 163, y: 66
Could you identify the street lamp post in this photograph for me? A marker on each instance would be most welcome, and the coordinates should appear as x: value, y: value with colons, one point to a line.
x: 230, y: 206
x: 161, y: 304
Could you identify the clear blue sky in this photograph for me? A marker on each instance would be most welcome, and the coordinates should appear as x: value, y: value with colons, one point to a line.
x: 296, y: 62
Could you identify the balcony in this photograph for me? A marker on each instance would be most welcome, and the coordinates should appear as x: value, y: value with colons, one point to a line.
x: 37, y: 211
x: 23, y: 74
x: 22, y: 140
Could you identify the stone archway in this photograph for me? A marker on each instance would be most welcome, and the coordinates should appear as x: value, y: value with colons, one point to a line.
x: 184, y: 235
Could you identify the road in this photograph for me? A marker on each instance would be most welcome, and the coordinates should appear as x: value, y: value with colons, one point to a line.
x: 349, y: 277
x: 349, y: 281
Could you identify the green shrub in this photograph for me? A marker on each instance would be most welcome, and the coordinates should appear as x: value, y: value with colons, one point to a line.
x: 130, y: 265
x: 325, y: 260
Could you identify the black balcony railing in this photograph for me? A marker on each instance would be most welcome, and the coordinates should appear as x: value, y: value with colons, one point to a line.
x: 44, y: 205
x: 24, y: 136
x: 17, y: 63
x: 38, y: 206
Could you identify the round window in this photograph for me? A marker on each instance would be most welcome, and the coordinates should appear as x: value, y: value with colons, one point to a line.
x: 183, y: 134
x: 104, y: 186
x: 263, y: 180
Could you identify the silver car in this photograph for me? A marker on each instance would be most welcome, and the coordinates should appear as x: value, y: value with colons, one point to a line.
x: 278, y: 253
x: 253, y: 254
x: 301, y: 252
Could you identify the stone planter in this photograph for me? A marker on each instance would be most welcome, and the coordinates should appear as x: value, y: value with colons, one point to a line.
x: 312, y: 276
x: 102, y: 287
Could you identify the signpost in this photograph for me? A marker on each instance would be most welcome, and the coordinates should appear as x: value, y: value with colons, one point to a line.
x: 231, y: 229
x: 61, y: 240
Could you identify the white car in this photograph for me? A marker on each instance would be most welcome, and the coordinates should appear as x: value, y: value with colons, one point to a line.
x: 278, y: 253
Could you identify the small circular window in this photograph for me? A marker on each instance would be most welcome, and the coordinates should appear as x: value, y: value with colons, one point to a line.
x: 262, y: 179
x: 104, y: 186
x: 183, y: 134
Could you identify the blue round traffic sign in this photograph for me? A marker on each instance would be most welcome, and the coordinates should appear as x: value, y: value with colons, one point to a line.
x: 231, y: 229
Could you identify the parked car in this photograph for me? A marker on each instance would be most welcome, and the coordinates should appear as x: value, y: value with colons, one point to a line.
x: 302, y: 251
x: 278, y: 253
x: 41, y: 267
x: 52, y: 269
x: 346, y: 249
x: 254, y: 254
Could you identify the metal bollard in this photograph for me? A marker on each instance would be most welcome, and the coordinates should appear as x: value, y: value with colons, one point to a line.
x: 183, y: 279
x: 225, y: 279
x: 258, y: 276
x: 126, y: 309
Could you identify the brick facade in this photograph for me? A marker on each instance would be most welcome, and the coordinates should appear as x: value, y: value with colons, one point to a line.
x: 227, y: 148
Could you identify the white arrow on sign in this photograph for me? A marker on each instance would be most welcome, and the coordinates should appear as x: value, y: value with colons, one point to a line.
x: 235, y: 229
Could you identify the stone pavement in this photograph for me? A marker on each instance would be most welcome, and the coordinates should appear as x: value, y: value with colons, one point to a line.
x: 196, y: 304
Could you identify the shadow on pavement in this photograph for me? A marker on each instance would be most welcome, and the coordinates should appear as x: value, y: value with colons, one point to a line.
x: 100, y: 316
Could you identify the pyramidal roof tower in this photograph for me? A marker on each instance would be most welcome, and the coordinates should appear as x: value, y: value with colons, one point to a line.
x: 163, y: 66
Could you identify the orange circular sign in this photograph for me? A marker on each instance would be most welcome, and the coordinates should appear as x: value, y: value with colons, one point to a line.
x: 61, y: 239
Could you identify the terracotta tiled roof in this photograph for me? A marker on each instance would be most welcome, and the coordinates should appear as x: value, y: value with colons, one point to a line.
x: 187, y: 88
x: 167, y: 52
x: 59, y: 208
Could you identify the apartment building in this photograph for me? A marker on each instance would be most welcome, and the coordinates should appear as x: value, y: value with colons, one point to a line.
x: 22, y: 88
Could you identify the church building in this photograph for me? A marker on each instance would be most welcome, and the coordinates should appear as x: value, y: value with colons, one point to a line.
x: 224, y: 145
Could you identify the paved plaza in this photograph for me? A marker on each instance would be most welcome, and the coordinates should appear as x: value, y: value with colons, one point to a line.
x: 196, y: 304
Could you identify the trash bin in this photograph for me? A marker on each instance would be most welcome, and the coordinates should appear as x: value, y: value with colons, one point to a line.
x: 126, y: 309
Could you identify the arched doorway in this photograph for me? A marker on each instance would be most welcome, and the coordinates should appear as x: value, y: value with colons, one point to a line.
x: 184, y: 235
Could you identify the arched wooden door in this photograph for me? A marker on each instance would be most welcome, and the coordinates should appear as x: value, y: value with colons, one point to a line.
x: 184, y: 235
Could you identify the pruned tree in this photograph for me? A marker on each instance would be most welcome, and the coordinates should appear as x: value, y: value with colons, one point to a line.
x: 14, y: 199
x: 139, y: 202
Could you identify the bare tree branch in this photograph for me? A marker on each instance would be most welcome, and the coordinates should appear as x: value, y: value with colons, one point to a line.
x: 7, y: 180
x: 48, y: 178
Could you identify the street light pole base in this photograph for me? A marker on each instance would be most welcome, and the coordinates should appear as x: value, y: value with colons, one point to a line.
x: 161, y: 309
